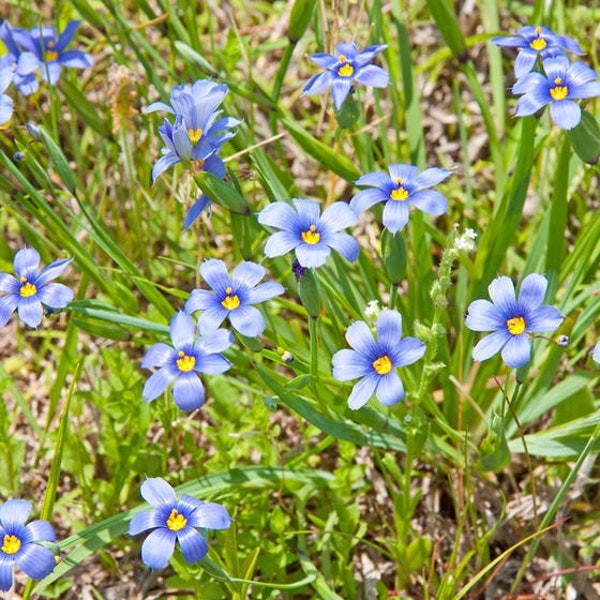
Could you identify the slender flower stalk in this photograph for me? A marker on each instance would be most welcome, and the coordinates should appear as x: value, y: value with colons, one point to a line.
x: 174, y: 520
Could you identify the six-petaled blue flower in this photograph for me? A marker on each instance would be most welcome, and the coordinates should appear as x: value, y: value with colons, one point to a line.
x: 533, y: 42
x: 375, y: 360
x: 346, y: 66
x: 232, y: 297
x: 197, y: 133
x: 309, y: 233
x: 29, y: 290
x: 182, y: 363
x: 511, y: 320
x: 398, y: 191
x: 20, y: 543
x: 172, y: 520
x: 47, y: 52
x: 562, y: 84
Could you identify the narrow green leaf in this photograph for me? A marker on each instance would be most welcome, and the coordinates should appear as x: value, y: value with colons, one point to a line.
x: 60, y: 161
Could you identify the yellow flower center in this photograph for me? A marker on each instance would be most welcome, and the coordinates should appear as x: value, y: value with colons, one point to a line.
x: 185, y: 363
x: 11, y: 544
x: 559, y: 92
x: 383, y: 365
x: 311, y: 236
x: 539, y: 43
x: 194, y: 135
x: 399, y: 192
x: 50, y: 55
x: 346, y: 69
x: 231, y: 301
x: 176, y: 521
x: 27, y: 288
x: 516, y: 325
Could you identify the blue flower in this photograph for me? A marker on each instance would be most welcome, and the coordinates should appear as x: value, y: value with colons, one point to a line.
x: 174, y: 520
x: 560, y: 87
x: 30, y: 290
x: 512, y: 320
x: 400, y: 189
x: 25, y: 83
x: 311, y: 234
x: 6, y: 103
x: 19, y: 543
x: 346, y: 66
x: 47, y: 53
x: 197, y: 133
x: 182, y: 363
x: 375, y: 361
x: 232, y: 297
x: 533, y: 42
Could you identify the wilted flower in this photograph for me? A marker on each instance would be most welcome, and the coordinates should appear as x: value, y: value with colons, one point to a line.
x: 182, y: 363
x: 30, y: 290
x: 232, y: 297
x: 375, y: 361
x: 311, y: 234
x: 398, y: 191
x: 560, y: 87
x: 346, y: 66
x: 48, y: 53
x: 174, y: 520
x: 20, y: 543
x: 533, y: 42
x: 512, y: 320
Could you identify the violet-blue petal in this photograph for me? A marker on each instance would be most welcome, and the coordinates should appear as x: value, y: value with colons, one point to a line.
x: 362, y: 391
x: 214, y: 272
x: 596, y: 353
x: 156, y: 384
x: 264, y: 291
x: 9, y: 284
x: 346, y: 245
x: 318, y: 83
x: 374, y: 179
x: 39, y: 531
x: 566, y: 113
x: 50, y: 72
x: 502, y: 293
x: 280, y: 243
x: 187, y: 505
x: 52, y: 271
x: 530, y: 103
x: 6, y: 573
x: 431, y: 176
x: 580, y: 74
x: 210, y: 516
x: 193, y: 544
x: 524, y: 62
x: 158, y: 548
x: 157, y: 492
x: 14, y: 513
x: 483, y: 315
x: 163, y: 163
x: 30, y: 311
x: 407, y: 351
x: 66, y: 35
x: 214, y: 342
x: 199, y: 300
x: 338, y: 216
x: 196, y: 210
x: 591, y: 89
x: 182, y: 329
x: 324, y: 60
x: 278, y: 214
x: 144, y: 520
x: 188, y: 391
x: 532, y: 292
x: 490, y: 344
x: 215, y: 364
x: 373, y: 76
x: 76, y: 59
x: 508, y: 41
x: 36, y: 561
x: 350, y: 364
x: 6, y: 109
x: 365, y: 199
x: 389, y: 390
x: 402, y: 171
x: 309, y: 211
x: 55, y: 295
x: 8, y: 304
x: 158, y: 106
x: 430, y: 201
x: 389, y: 328
x: 247, y: 320
x: 395, y: 215
x: 347, y: 49
x: 26, y: 263
x: 157, y: 356
x: 359, y: 336
x: 312, y: 256
x: 517, y: 351
x: 248, y: 274
x: 212, y: 317
x: 545, y: 318
x: 529, y: 82
x: 340, y: 88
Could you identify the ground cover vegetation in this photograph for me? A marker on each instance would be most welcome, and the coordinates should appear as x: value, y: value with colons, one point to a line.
x: 299, y: 299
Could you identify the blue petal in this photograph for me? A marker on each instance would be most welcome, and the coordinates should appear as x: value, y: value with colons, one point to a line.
x: 187, y: 505
x: 39, y: 531
x: 430, y: 201
x: 529, y: 83
x: 408, y: 351
x: 30, y: 311
x: 566, y: 113
x: 193, y: 545
x: 214, y: 342
x: 517, y: 351
x: 346, y: 245
x: 188, y: 391
x: 36, y: 561
x: 586, y: 90
x: 532, y: 292
x: 9, y: 284
x: 144, y: 520
x: 158, y: 106
x: 490, y: 344
x: 340, y: 88
x: 200, y: 300
x: 312, y: 255
x: 157, y: 384
x: 182, y: 330
x: 6, y: 573
x: 158, y: 493
x: 247, y: 274
x: 350, y: 364
x: 158, y: 548
x: 362, y: 391
x: 524, y: 62
x: 211, y: 516
x: 14, y: 513
x: 545, y: 318
x: 483, y: 315
x: 431, y: 176
x: 280, y: 243
x: 66, y: 35
x: 407, y: 173
x: 373, y: 76
x: 55, y: 295
x: 163, y: 163
x: 157, y: 356
x: 76, y: 59
x: 264, y: 291
x: 324, y: 60
x: 369, y: 53
x: 318, y: 83
x: 7, y: 307
x: 195, y: 211
x: 389, y: 390
x: 247, y: 320
x: 365, y: 199
x: 530, y: 103
x: 347, y: 49
x: 557, y: 66
x: 50, y: 72
x: 509, y: 41
x: 395, y: 215
x: 214, y: 272
x: 308, y: 211
x: 280, y: 215
x: 389, y: 329
x: 375, y: 179
x: 212, y: 317
x: 214, y: 364
x: 6, y: 109
x: 596, y: 353
x: 578, y: 75
x: 338, y: 216
x: 360, y: 338
x: 26, y: 263
x: 502, y: 293
x: 52, y: 271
